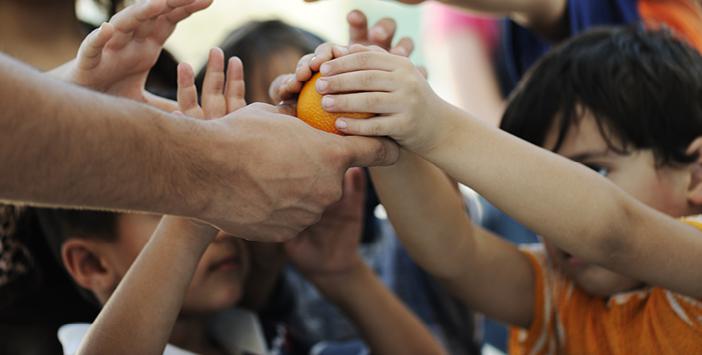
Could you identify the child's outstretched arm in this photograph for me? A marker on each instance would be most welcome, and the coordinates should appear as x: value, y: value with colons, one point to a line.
x: 544, y: 16
x: 139, y: 316
x: 487, y: 273
x: 542, y: 190
x: 327, y: 255
x: 116, y: 58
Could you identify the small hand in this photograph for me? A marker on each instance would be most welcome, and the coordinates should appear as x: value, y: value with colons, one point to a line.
x: 286, y: 87
x: 116, y: 58
x: 372, y: 80
x: 221, y: 94
x: 330, y: 247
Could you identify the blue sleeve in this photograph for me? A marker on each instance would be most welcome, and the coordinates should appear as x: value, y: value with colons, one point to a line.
x: 521, y: 47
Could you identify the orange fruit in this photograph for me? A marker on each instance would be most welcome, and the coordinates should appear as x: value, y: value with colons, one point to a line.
x: 309, y: 109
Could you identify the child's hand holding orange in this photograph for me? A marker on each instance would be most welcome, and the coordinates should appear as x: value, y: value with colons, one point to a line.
x: 371, y: 80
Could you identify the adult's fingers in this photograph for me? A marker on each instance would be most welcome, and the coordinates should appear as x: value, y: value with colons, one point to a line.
x: 376, y: 126
x: 367, y: 151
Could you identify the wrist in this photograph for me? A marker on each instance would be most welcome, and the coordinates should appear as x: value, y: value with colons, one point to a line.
x: 186, y: 235
x: 338, y: 285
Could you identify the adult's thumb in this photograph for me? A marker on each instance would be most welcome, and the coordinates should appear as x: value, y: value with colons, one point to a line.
x: 371, y: 151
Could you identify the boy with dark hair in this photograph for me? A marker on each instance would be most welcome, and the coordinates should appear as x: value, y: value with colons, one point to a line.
x: 619, y: 271
x: 170, y: 279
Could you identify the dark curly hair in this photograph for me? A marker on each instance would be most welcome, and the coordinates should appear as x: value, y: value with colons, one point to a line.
x: 643, y: 87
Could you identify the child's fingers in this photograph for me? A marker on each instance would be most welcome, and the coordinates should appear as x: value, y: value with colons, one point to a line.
x: 303, y: 72
x: 277, y: 91
x: 187, y: 92
x: 369, y: 60
x: 377, y: 126
x: 358, y: 27
x: 366, y: 80
x: 369, y: 102
x: 404, y: 47
x: 354, y: 187
x: 235, y: 89
x: 214, y: 73
x: 90, y: 51
x: 181, y: 13
x: 129, y: 19
x: 324, y: 53
x: 213, y: 99
x: 382, y: 33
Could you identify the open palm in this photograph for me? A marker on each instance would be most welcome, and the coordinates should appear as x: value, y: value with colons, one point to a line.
x: 117, y: 57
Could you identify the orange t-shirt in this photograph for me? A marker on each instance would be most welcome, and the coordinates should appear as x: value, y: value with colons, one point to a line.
x: 684, y: 17
x: 569, y: 321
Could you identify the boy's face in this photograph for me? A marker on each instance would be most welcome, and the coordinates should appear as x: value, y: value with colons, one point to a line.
x: 662, y: 188
x: 218, y: 280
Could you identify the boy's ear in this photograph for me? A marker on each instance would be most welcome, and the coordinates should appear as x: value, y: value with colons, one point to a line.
x: 88, y: 267
x: 694, y: 191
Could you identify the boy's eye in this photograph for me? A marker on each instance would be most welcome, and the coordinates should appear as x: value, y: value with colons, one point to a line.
x: 599, y: 169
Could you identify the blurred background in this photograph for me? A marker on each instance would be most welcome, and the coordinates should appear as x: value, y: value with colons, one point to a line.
x: 204, y: 30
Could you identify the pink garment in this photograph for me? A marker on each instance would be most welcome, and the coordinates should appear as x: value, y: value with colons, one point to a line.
x: 442, y: 20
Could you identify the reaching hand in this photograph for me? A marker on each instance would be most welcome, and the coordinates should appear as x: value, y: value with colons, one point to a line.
x: 369, y: 79
x: 330, y: 247
x: 116, y: 58
x: 221, y: 94
x: 286, y: 87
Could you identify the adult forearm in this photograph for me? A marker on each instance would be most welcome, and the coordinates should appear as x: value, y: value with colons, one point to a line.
x: 63, y: 145
x: 387, y: 326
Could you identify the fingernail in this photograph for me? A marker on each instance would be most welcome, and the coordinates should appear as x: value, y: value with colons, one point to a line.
x: 327, y: 102
x: 341, y: 124
x: 324, y: 69
x: 322, y: 85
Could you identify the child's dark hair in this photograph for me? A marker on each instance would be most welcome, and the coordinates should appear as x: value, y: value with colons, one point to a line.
x: 643, y: 87
x: 56, y: 226
x: 257, y: 41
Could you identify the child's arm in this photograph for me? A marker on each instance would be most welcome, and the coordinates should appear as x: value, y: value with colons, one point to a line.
x: 544, y: 16
x: 117, y: 57
x: 578, y: 210
x: 139, y: 316
x: 489, y: 274
x: 327, y: 256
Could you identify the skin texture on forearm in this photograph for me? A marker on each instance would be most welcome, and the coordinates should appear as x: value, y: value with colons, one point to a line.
x: 386, y: 325
x: 63, y: 145
x: 487, y: 273
x: 540, y: 189
x: 140, y: 315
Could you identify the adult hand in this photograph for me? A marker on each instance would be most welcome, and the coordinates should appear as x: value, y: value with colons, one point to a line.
x: 280, y: 175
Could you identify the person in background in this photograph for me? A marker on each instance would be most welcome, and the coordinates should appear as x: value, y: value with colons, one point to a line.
x: 269, y: 49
